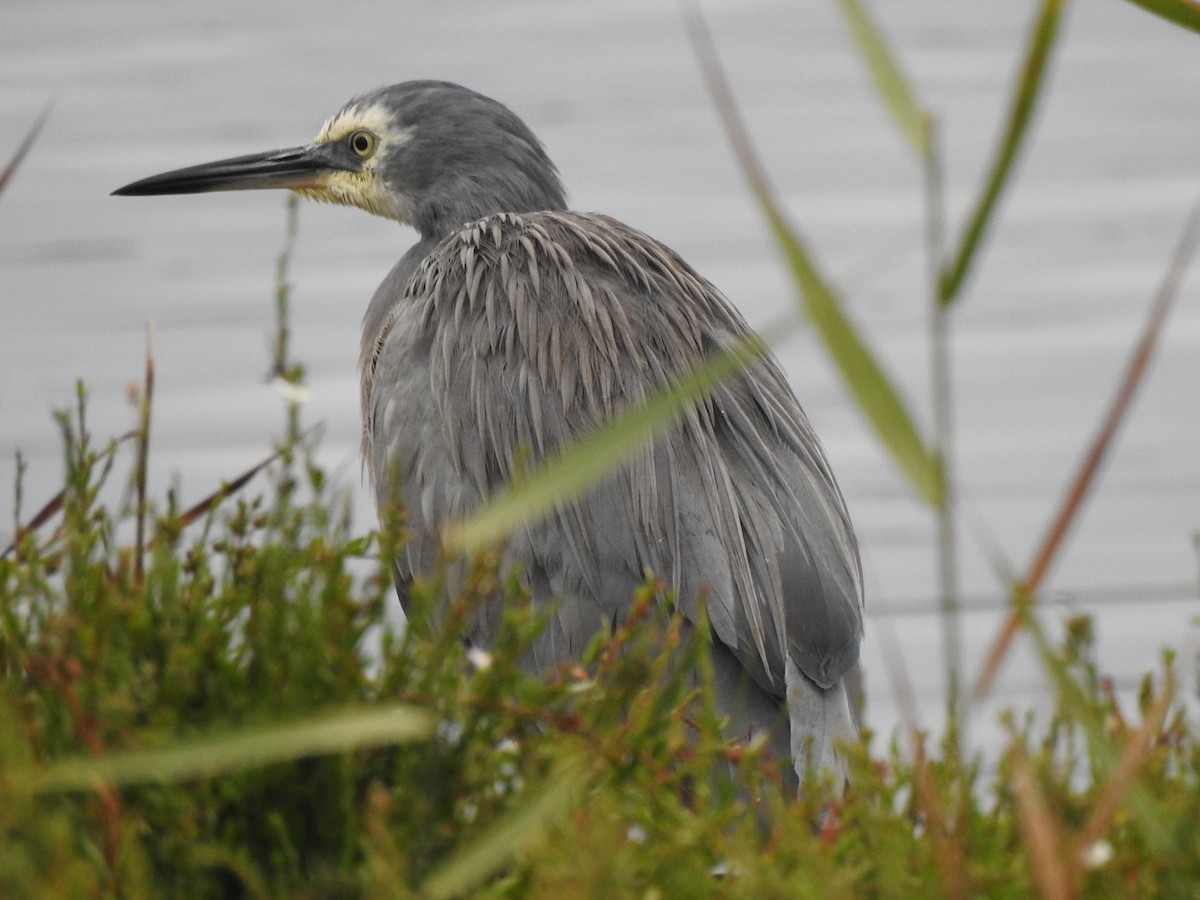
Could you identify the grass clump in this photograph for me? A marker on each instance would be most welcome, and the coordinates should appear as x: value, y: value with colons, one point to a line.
x: 230, y: 716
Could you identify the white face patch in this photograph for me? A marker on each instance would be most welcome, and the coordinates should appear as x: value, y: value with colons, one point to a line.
x: 375, y: 118
x: 364, y: 188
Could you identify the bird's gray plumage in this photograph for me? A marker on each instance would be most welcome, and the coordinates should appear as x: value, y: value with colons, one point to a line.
x: 513, y: 328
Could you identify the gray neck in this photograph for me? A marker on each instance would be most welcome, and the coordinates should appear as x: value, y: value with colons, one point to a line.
x: 468, y: 197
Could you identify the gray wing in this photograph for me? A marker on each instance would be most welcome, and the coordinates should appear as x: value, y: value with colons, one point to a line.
x: 519, y: 334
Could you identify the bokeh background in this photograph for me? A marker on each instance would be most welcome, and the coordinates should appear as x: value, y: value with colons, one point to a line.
x: 1082, y: 241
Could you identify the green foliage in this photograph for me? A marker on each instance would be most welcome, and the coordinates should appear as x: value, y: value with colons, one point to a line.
x: 894, y: 89
x: 1185, y: 13
x: 205, y: 729
x: 1025, y: 97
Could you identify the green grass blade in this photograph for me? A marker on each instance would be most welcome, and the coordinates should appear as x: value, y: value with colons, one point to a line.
x: 1033, y: 77
x: 894, y: 89
x: 870, y: 386
x: 246, y: 748
x: 572, y: 471
x: 1185, y: 13
x: 504, y: 838
x: 873, y: 391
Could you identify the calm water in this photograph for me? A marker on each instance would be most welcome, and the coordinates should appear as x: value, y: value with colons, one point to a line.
x: 613, y: 90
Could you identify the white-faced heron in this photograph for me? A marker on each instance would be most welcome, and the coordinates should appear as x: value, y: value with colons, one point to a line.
x: 515, y: 326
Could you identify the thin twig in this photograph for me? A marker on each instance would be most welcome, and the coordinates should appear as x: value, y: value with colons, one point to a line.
x: 210, y: 502
x: 1137, y: 748
x: 1072, y: 503
x: 145, y: 404
x: 1054, y: 873
x: 951, y: 867
x: 24, y: 147
x: 942, y: 389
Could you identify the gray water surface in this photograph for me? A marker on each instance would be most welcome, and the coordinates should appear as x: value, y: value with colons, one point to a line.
x: 1052, y: 312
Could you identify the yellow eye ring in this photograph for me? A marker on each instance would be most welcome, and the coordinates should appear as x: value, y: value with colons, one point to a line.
x: 362, y: 144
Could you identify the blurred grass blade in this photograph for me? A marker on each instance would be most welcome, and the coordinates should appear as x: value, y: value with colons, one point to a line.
x: 1137, y: 749
x: 1157, y: 830
x: 1042, y: 833
x: 23, y: 149
x: 572, y: 471
x: 1033, y: 76
x: 1182, y: 12
x: 1090, y: 466
x: 877, y: 398
x: 893, y: 87
x: 209, y: 755
x: 946, y: 845
x: 872, y: 390
x: 539, y: 807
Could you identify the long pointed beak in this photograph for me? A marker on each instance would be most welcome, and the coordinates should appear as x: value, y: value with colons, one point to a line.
x: 296, y: 167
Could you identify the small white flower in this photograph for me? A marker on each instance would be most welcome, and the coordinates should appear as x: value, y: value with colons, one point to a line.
x: 479, y: 658
x: 292, y: 393
x: 1097, y: 854
x: 636, y: 833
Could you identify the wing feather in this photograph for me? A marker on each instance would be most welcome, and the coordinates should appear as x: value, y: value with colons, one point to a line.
x: 520, y: 334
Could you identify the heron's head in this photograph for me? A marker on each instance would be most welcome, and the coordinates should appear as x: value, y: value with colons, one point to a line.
x: 429, y: 154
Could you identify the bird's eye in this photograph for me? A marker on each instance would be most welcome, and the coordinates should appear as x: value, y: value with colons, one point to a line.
x: 363, y: 144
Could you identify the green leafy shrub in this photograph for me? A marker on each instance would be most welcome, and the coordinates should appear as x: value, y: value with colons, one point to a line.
x: 160, y: 720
